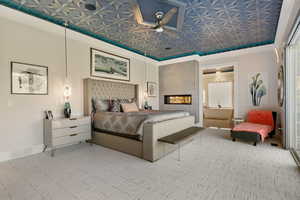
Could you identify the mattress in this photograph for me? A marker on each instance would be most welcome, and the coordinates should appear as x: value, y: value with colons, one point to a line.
x: 131, y: 124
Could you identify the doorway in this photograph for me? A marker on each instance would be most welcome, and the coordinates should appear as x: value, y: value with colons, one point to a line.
x: 218, y: 97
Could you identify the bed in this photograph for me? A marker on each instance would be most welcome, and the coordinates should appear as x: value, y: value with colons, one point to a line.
x: 145, y: 127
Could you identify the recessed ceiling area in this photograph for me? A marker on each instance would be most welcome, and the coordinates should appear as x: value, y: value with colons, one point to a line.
x: 206, y: 26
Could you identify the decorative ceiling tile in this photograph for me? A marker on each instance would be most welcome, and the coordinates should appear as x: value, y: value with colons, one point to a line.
x: 208, y: 25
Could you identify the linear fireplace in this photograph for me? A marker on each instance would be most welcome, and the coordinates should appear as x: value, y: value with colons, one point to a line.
x: 178, y: 99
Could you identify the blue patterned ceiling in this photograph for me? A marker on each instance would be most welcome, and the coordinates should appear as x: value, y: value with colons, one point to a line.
x: 209, y: 26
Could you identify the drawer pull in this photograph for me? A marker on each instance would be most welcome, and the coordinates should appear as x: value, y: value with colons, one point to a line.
x: 73, y: 127
x: 74, y: 134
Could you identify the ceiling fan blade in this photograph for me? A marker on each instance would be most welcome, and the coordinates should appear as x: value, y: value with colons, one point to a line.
x: 137, y: 14
x: 172, y: 33
x: 168, y: 16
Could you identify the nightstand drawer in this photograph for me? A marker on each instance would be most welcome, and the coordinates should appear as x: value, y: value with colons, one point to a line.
x: 71, y: 130
x: 66, y: 123
x: 71, y: 139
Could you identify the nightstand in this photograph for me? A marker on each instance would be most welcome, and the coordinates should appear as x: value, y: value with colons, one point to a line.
x: 61, y: 132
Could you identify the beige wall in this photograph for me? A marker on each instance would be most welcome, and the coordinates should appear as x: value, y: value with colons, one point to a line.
x: 180, y: 78
x: 245, y: 64
x: 21, y: 115
x: 213, y: 78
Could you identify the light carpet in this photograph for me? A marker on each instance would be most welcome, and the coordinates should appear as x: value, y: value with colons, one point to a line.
x: 212, y: 167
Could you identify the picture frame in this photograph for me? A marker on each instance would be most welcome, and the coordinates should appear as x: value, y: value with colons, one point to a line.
x: 28, y: 79
x: 48, y: 114
x: 258, y: 88
x: 151, y: 89
x: 109, y: 66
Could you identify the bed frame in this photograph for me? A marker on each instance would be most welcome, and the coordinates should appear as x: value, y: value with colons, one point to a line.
x: 251, y: 136
x: 149, y: 148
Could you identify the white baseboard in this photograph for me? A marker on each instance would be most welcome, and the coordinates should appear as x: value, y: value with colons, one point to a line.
x: 20, y: 153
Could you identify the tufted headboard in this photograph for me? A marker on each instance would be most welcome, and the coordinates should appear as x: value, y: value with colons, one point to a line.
x: 105, y: 90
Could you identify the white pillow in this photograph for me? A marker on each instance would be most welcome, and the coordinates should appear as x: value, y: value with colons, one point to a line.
x: 129, y: 107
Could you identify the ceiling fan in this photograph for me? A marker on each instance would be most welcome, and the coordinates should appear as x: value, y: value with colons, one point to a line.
x: 161, y: 19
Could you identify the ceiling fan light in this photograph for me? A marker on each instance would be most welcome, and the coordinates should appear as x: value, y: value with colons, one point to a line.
x: 159, y: 29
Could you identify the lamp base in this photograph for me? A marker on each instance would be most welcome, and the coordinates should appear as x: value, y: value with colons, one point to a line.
x: 67, y: 112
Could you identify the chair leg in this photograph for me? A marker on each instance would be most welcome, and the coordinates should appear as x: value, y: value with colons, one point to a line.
x: 254, y: 144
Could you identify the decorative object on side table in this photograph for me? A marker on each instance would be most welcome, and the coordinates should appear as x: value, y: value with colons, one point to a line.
x: 146, y: 106
x: 67, y: 110
x: 110, y: 66
x: 29, y: 79
x: 60, y: 132
x: 48, y: 114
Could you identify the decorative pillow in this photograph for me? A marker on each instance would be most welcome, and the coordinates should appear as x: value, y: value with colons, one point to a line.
x: 129, y: 107
x: 115, y: 105
x: 126, y: 100
x: 101, y: 104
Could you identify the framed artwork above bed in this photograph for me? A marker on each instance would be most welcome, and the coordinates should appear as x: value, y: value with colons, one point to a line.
x: 109, y: 66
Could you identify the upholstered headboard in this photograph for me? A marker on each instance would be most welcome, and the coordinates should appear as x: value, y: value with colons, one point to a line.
x: 105, y: 90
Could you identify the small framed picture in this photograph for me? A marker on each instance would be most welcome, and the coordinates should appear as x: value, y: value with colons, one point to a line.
x: 29, y: 79
x: 48, y: 114
x: 152, y: 89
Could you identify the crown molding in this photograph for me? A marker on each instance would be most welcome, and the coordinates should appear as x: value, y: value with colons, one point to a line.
x: 227, y: 54
x: 240, y: 52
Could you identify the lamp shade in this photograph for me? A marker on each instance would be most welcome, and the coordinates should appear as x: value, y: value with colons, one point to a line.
x: 67, y: 92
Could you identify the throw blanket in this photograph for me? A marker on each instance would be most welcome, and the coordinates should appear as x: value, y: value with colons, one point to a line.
x: 132, y: 123
x: 262, y: 130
